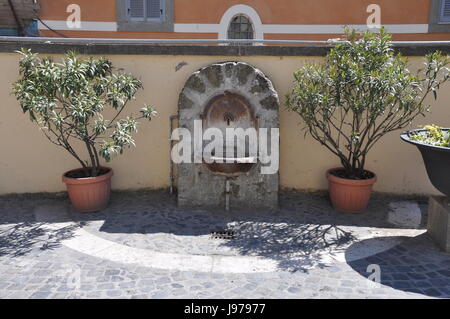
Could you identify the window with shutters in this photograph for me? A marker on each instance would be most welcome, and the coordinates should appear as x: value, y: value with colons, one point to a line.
x: 444, y: 14
x: 144, y: 15
x: 439, y: 21
x: 145, y: 10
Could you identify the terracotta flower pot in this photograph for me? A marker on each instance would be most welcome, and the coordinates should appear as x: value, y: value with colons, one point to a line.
x: 349, y: 195
x: 89, y: 194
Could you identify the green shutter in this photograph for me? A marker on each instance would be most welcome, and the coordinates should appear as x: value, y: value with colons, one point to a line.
x: 135, y: 9
x: 153, y: 9
x: 445, y: 11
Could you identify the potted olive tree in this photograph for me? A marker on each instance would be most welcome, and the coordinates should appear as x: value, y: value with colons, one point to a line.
x: 66, y: 100
x: 361, y: 92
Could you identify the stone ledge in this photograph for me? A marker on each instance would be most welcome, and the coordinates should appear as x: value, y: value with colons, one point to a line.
x: 439, y: 221
x: 136, y: 48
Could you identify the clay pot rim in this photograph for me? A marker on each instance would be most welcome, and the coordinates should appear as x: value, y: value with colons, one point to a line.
x: 87, y: 180
x: 350, y: 182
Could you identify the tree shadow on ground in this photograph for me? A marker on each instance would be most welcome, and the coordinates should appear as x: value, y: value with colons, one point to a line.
x: 416, y: 265
x: 295, y: 247
x: 297, y: 240
x: 22, y: 238
x: 304, y: 232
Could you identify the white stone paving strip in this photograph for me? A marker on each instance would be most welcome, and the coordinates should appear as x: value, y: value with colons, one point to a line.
x: 56, y: 217
x: 92, y: 245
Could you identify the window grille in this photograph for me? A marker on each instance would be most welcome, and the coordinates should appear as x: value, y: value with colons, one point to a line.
x: 240, y: 28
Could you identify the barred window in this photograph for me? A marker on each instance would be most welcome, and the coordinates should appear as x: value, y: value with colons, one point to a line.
x: 240, y: 27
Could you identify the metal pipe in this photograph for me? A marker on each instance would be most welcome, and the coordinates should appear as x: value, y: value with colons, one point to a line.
x: 151, y: 41
x: 171, y: 118
x: 227, y: 194
x: 195, y: 41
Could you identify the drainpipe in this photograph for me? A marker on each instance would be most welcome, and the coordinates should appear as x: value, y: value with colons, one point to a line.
x: 171, y: 118
x: 227, y: 194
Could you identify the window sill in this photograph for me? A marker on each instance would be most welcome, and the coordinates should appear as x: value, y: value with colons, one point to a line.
x: 439, y: 27
x: 145, y: 26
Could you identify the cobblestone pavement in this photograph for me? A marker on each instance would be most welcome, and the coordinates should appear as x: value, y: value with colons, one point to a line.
x: 318, y: 253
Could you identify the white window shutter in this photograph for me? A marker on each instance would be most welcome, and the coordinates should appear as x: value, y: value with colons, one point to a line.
x: 136, y: 9
x: 153, y: 9
x: 445, y: 10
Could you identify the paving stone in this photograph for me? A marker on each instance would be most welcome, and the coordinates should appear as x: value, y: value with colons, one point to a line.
x: 146, y: 282
x: 127, y: 284
x: 16, y: 287
x: 103, y: 279
x: 444, y: 272
x: 94, y: 294
x: 114, y: 293
x: 422, y: 284
x: 401, y: 284
x: 117, y: 278
x: 87, y: 287
x: 40, y: 295
x: 416, y: 276
x: 398, y: 276
x: 65, y: 288
x: 207, y: 284
x: 432, y: 292
x: 112, y: 272
x: 175, y: 285
x: 162, y: 280
x: 294, y: 290
x: 106, y: 286
x: 412, y: 269
x: 348, y: 283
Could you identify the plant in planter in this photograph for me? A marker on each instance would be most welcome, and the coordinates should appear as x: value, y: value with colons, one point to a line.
x: 433, y: 143
x: 362, y: 91
x: 66, y: 100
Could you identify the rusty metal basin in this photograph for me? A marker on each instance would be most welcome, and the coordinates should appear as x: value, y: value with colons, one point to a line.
x: 224, y: 111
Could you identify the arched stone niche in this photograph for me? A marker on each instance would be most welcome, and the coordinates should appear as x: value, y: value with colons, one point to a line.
x: 240, y: 95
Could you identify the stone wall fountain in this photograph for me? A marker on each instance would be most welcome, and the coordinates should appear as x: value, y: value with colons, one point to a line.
x: 221, y: 96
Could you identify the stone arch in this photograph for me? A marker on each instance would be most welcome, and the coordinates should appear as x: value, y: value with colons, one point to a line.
x: 246, y: 10
x: 233, y: 77
x: 197, y: 184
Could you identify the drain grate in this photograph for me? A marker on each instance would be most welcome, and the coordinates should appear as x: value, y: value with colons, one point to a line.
x: 223, y: 234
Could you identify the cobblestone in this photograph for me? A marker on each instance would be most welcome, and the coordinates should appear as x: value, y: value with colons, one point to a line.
x: 35, y: 264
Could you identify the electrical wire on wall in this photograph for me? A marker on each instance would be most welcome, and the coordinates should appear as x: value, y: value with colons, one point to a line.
x: 46, y: 25
x: 54, y: 31
x: 20, y: 29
